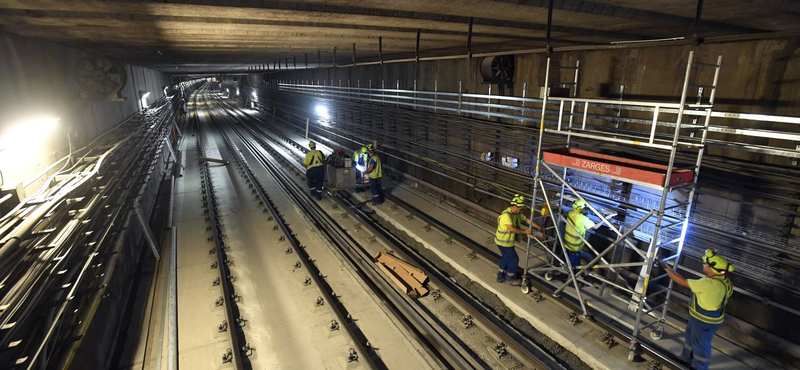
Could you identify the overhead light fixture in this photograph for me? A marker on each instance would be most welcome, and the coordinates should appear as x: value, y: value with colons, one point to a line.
x: 322, y: 111
x: 143, y: 98
x: 159, y: 52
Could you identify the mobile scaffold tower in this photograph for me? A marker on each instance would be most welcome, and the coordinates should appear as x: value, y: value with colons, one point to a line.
x: 654, y: 196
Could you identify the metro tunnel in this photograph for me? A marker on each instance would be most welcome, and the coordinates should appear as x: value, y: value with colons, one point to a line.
x: 400, y: 185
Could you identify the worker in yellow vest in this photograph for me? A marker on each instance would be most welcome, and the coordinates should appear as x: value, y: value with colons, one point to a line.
x: 375, y: 173
x: 509, y: 225
x: 360, y: 158
x: 709, y: 297
x: 315, y: 172
x: 577, y: 225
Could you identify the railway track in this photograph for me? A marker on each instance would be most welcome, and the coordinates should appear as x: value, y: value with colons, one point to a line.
x: 522, y: 348
x: 537, y: 284
x: 240, y: 349
x: 328, y: 296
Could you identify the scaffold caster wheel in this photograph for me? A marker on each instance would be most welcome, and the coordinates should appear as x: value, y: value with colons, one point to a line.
x: 656, y: 334
x: 631, y: 356
x: 548, y: 276
x: 525, y: 288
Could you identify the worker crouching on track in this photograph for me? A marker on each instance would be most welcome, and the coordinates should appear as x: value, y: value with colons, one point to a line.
x: 509, y: 225
x: 707, y: 306
x: 375, y: 173
x: 360, y: 158
x: 315, y: 171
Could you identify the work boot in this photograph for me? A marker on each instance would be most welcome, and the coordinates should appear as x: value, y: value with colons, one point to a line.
x: 513, y: 280
x: 501, y: 276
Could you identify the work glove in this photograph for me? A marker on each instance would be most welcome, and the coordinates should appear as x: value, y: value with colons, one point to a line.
x: 662, y: 264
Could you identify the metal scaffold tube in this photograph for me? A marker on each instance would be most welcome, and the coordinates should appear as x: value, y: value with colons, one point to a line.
x: 419, y: 140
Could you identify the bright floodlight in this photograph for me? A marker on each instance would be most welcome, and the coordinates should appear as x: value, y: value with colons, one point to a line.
x: 28, y: 132
x: 322, y: 111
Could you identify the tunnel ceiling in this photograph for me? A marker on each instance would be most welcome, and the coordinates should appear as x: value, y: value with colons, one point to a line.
x: 194, y: 36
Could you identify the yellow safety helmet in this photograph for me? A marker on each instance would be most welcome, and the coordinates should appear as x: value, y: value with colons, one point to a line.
x: 579, y: 204
x: 518, y: 200
x: 370, y: 147
x: 717, y: 263
x: 364, y: 149
x: 312, y: 144
x: 545, y: 209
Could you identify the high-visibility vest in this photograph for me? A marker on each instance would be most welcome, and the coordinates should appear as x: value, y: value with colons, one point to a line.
x: 377, y: 172
x: 713, y: 315
x: 573, y: 232
x: 313, y: 159
x: 359, y: 158
x: 506, y: 238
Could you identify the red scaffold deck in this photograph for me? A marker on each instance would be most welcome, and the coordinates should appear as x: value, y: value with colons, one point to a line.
x: 617, y: 167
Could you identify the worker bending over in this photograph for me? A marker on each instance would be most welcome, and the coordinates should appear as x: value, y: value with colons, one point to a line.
x: 509, y: 225
x: 575, y: 232
x: 360, y: 158
x: 375, y: 174
x: 315, y: 172
x: 707, y: 306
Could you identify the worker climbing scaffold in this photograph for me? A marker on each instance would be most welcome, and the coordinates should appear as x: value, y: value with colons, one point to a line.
x: 655, y: 216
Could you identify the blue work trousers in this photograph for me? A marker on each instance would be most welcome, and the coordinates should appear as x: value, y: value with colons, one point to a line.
x: 377, y: 192
x: 315, y: 177
x: 359, y: 176
x: 508, y: 260
x: 575, y: 258
x: 697, y: 348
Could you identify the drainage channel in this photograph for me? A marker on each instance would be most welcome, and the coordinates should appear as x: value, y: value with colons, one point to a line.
x: 510, y: 338
x: 449, y: 351
x: 237, y: 354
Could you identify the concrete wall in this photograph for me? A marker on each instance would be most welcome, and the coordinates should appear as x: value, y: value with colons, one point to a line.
x: 756, y: 77
x: 38, y: 79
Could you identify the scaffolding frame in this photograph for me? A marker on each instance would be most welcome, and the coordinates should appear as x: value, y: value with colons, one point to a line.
x: 668, y: 217
x: 367, y: 98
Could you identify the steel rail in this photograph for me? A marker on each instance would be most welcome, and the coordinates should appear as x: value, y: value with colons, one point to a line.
x: 777, y: 241
x: 428, y: 332
x: 340, y: 311
x: 521, y: 347
x: 648, y: 346
x: 228, y: 293
x: 524, y: 350
x: 569, y: 302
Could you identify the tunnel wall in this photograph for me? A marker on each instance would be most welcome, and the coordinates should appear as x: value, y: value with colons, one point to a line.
x: 756, y: 77
x: 37, y: 78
